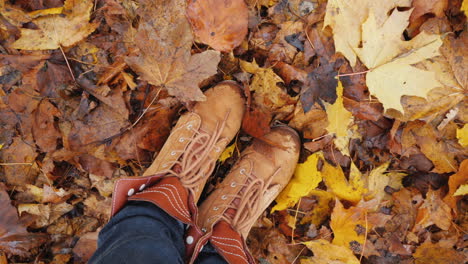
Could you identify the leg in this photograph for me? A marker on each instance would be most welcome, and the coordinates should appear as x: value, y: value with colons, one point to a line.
x: 141, y: 233
x: 209, y: 255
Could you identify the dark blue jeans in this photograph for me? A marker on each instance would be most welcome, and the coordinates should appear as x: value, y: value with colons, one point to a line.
x: 143, y: 233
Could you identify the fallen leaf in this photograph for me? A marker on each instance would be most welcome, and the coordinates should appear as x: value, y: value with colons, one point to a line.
x: 324, y: 252
x: 312, y: 124
x: 86, y: 246
x: 14, y: 238
x: 422, y: 7
x: 462, y: 190
x: 322, y: 209
x: 462, y: 135
x: 256, y: 122
x: 98, y: 208
x: 346, y: 18
x: 227, y: 153
x: 306, y: 178
x: 264, y: 82
x: 222, y: 25
x: 337, y: 183
x: 378, y: 180
x: 22, y: 168
x: 348, y: 225
x: 45, y: 131
x: 59, y: 30
x: 455, y: 181
x: 433, y: 211
x: 435, y: 254
x: 431, y: 144
x: 389, y: 69
x: 46, y: 213
x: 164, y: 39
x: 339, y: 119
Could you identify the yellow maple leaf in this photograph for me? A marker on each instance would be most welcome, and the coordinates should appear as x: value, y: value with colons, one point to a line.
x: 321, y: 210
x: 391, y: 60
x: 227, y: 153
x: 324, y: 252
x: 337, y: 183
x: 462, y: 190
x: 348, y: 224
x: 345, y: 17
x: 59, y: 30
x: 378, y: 180
x: 306, y: 178
x: 264, y: 83
x: 339, y: 120
x: 462, y: 135
x: 464, y: 7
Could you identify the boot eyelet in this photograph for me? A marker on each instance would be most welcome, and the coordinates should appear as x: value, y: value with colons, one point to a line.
x: 189, y: 240
x: 142, y: 187
x: 233, y: 184
x: 203, y: 230
x: 131, y: 192
x: 173, y: 153
x: 217, y: 149
x: 242, y: 171
x: 164, y: 165
x: 181, y: 139
x: 224, y: 197
x: 189, y: 126
x: 215, y: 208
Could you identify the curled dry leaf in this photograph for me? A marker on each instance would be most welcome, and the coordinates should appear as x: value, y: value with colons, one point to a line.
x: 14, y: 238
x: 220, y: 24
x: 59, y: 30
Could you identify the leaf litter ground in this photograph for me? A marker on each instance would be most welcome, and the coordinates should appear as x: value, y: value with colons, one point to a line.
x: 377, y: 90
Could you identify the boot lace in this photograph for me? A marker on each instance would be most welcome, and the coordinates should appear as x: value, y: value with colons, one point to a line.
x: 194, y: 165
x: 249, y: 202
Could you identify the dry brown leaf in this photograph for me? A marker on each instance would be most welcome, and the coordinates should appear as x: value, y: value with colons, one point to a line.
x: 435, y: 254
x: 433, y: 211
x: 455, y: 180
x: 220, y: 24
x: 20, y: 167
x: 422, y: 7
x: 45, y: 214
x: 45, y: 131
x: 14, y: 238
x: 59, y: 30
x: 164, y: 39
x: 431, y: 145
x: 86, y: 246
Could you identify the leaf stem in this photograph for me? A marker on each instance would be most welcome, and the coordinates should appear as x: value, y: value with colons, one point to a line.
x: 68, y: 64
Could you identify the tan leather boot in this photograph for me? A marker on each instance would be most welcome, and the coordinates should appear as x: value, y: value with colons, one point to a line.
x: 199, y: 137
x: 228, y: 214
x: 176, y: 178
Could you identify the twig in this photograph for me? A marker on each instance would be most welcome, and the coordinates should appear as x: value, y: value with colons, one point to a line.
x: 353, y: 73
x: 365, y: 239
x: 295, y: 219
x: 15, y: 163
x: 68, y: 64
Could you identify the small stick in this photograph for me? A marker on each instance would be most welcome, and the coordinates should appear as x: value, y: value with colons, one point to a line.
x: 353, y: 73
x: 68, y: 64
x: 15, y: 163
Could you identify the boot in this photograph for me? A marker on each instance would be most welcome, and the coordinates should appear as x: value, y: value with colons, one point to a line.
x: 176, y: 178
x: 230, y: 211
